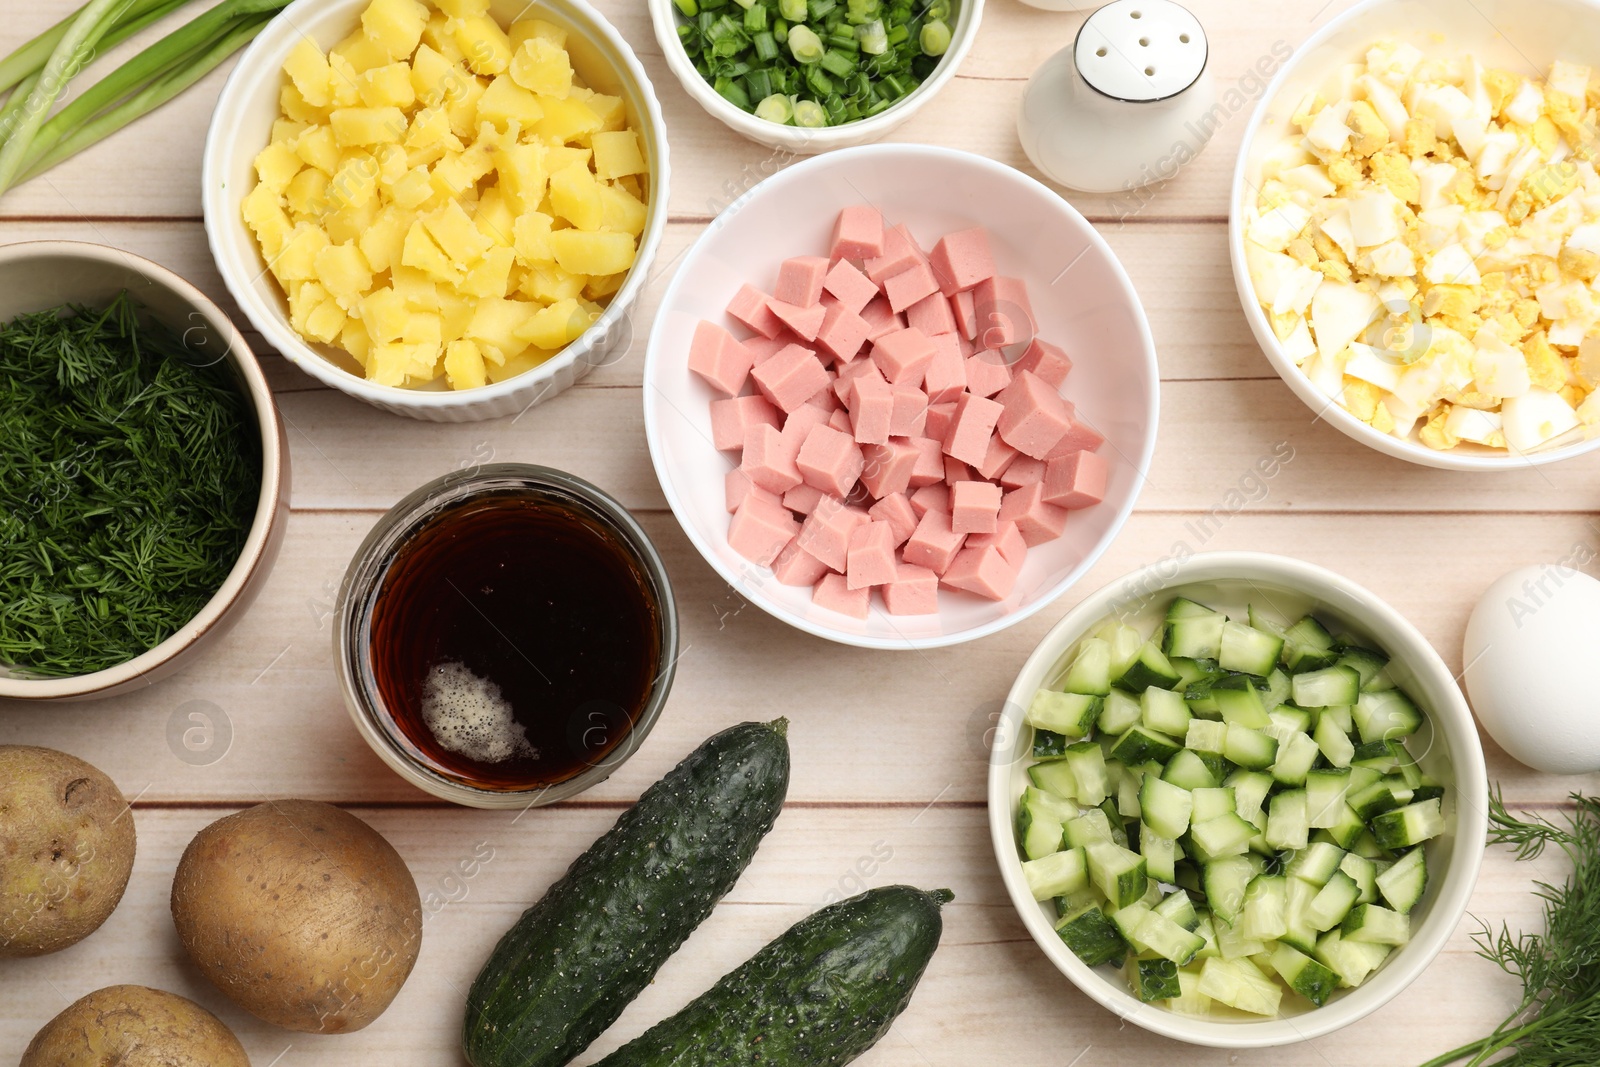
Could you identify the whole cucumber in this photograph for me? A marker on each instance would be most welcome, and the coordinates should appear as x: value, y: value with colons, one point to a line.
x: 818, y: 996
x: 575, y: 959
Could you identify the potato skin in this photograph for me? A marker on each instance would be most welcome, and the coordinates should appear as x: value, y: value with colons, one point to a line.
x: 66, y: 849
x: 301, y: 913
x: 133, y: 1026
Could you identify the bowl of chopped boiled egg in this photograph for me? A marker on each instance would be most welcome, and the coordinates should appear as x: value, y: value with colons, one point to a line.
x: 1415, y: 229
x: 445, y: 208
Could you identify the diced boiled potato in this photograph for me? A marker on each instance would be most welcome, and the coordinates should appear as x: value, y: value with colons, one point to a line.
x: 463, y: 363
x: 294, y: 106
x: 455, y: 233
x: 547, y: 285
x: 310, y: 74
x: 429, y: 126
x: 388, y: 363
x: 367, y: 125
x: 413, y: 190
x: 560, y: 157
x: 522, y: 176
x: 344, y: 273
x: 304, y: 298
x: 525, y: 30
x: 455, y: 312
x: 616, y: 153
x: 461, y: 9
x: 361, y: 52
x: 384, y: 241
x: 500, y: 323
x: 491, y: 277
x: 394, y: 25
x: 355, y: 340
x: 622, y: 210
x: 317, y: 148
x: 326, y: 322
x: 392, y: 164
x: 556, y: 326
x: 384, y: 313
x: 543, y: 67
x: 422, y: 253
x: 264, y: 214
x: 519, y: 363
x: 307, y: 195
x: 531, y: 239
x: 435, y: 80
x: 419, y: 289
x: 603, y: 252
x: 565, y: 120
x: 387, y: 86
x: 575, y: 195
x: 505, y: 102
x: 355, y: 183
x: 600, y: 288
x: 462, y: 107
x: 424, y: 328
x: 287, y: 131
x: 494, y: 218
x: 276, y: 166
x: 346, y: 225
x: 346, y: 83
x: 452, y: 176
x: 440, y: 35
x: 484, y: 44
x: 613, y: 112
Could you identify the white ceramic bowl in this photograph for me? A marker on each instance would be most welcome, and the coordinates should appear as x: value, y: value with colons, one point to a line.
x: 1079, y: 292
x: 1514, y: 34
x: 44, y: 274
x: 1446, y: 747
x: 963, y: 31
x: 241, y: 127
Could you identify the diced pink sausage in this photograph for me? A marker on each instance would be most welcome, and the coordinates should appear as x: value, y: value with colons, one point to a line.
x: 946, y: 377
x: 903, y: 356
x: 790, y: 378
x: 737, y: 486
x: 730, y: 418
x: 1045, y: 360
x: 1080, y: 438
x: 803, y: 500
x: 940, y: 418
x: 932, y: 497
x: 987, y: 372
x: 849, y: 286
x: 824, y: 399
x: 871, y: 559
x: 1004, y: 313
x: 749, y: 306
x: 833, y: 593
x: 910, y: 285
x: 826, y: 532
x: 974, y: 420
x: 799, y: 424
x: 933, y: 544
x: 830, y: 461
x: 888, y: 467
x: 910, y: 411
x: 1035, y: 417
x: 1077, y: 480
x: 997, y: 459
x: 930, y: 461
x: 804, y: 321
x: 857, y: 233
x: 900, y: 252
x: 962, y: 259
x: 914, y: 591
x: 849, y: 373
x: 769, y: 459
x: 842, y: 333
x: 715, y: 356
x: 895, y: 509
x: 966, y: 315
x: 957, y: 471
x: 759, y: 530
x: 1007, y: 538
x: 931, y: 315
x: 1037, y: 521
x: 974, y: 507
x: 796, y: 566
x: 764, y: 348
x: 840, y: 420
x: 1024, y: 470
x: 983, y: 571
x: 800, y: 280
x: 871, y: 404
x: 882, y: 318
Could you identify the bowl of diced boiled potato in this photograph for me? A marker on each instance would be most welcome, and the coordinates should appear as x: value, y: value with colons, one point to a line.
x: 445, y: 208
x: 1416, y: 229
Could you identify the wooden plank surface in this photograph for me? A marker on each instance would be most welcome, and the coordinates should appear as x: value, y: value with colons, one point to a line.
x: 889, y: 748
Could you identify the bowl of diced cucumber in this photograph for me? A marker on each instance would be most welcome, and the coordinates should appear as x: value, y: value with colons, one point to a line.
x: 1238, y: 799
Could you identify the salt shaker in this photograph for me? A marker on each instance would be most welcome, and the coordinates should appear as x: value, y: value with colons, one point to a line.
x: 1127, y: 104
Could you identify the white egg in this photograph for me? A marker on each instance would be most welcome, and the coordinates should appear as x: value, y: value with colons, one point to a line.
x: 1530, y: 652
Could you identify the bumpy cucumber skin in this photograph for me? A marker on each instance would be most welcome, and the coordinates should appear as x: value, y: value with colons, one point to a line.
x: 819, y: 996
x: 575, y: 959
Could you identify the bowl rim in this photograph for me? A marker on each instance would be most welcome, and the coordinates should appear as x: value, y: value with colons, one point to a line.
x: 654, y: 361
x: 793, y: 138
x: 1291, y: 374
x: 274, y: 476
x: 221, y: 146
x: 1453, y: 720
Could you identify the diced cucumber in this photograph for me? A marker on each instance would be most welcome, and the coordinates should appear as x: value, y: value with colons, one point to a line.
x: 1288, y: 823
x: 1349, y: 961
x: 1185, y: 874
x: 1196, y: 672
x: 1266, y: 909
x: 1086, y: 829
x: 1150, y: 667
x: 1160, y: 855
x: 1333, y: 901
x: 1402, y: 885
x: 1375, y: 925
x: 1307, y: 646
x: 1222, y: 835
x: 1127, y: 923
x: 1178, y: 907
x: 1334, y: 743
x: 1343, y: 716
x: 1055, y: 777
x: 1240, y: 984
x: 1304, y: 975
x: 1154, y: 979
x: 1241, y: 706
x: 1209, y: 803
x: 1288, y: 717
x: 1139, y: 745
x: 1386, y: 794
x: 1302, y: 932
x: 1249, y: 748
x: 1126, y: 784
x: 1226, y: 880
x: 1387, y: 714
x: 1090, y: 672
x: 1092, y: 935
x: 1315, y: 863
x: 1125, y: 644
x: 1072, y: 903
x: 1196, y: 636
x: 1167, y: 938
x: 1207, y: 929
x: 1190, y: 1001
x: 1327, y: 687
x: 1119, y: 874
x: 1248, y: 650
x: 1364, y: 873
x: 1039, y: 822
x: 1250, y: 789
x: 1410, y: 825
x: 1088, y: 764
x: 1070, y: 714
x: 1277, y: 690
x: 1184, y: 608
x: 1206, y: 735
x: 1048, y: 745
x: 1202, y: 700
x: 1189, y: 769
x: 1165, y: 807
x: 1233, y: 945
x: 1326, y: 791
x: 1057, y: 874
x: 1120, y: 827
x: 1164, y: 711
x: 1364, y: 661
x: 1295, y: 759
x: 1118, y: 711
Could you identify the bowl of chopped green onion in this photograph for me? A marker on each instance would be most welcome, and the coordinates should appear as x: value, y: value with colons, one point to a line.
x: 812, y: 75
x: 144, y: 472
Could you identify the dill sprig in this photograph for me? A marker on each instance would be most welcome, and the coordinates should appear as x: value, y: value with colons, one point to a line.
x: 129, y: 472
x: 1557, y: 1023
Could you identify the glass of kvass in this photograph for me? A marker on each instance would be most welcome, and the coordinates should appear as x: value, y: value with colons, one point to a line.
x: 506, y: 636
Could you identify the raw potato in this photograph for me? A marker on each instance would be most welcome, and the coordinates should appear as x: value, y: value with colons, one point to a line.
x: 131, y: 1026
x: 301, y: 913
x: 66, y: 849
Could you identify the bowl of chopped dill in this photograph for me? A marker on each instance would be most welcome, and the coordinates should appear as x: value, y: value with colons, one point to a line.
x: 144, y: 473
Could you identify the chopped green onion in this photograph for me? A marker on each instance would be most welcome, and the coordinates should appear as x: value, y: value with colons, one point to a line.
x: 838, y: 63
x: 758, y: 85
x: 755, y: 18
x: 874, y: 39
x: 810, y: 114
x: 937, y: 11
x: 820, y: 9
x: 766, y: 47
x: 935, y: 38
x: 792, y: 10
x: 732, y: 92
x: 689, y: 8
x: 804, y: 44
x: 775, y: 108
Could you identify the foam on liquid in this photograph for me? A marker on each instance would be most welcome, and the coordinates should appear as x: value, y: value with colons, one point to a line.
x: 468, y: 714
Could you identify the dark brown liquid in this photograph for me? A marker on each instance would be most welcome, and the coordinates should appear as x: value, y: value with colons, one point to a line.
x: 538, y: 596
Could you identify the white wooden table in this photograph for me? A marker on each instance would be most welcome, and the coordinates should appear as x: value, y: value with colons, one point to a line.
x: 889, y: 766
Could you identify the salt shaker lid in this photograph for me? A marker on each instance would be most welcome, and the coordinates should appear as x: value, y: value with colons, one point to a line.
x: 1141, y: 50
